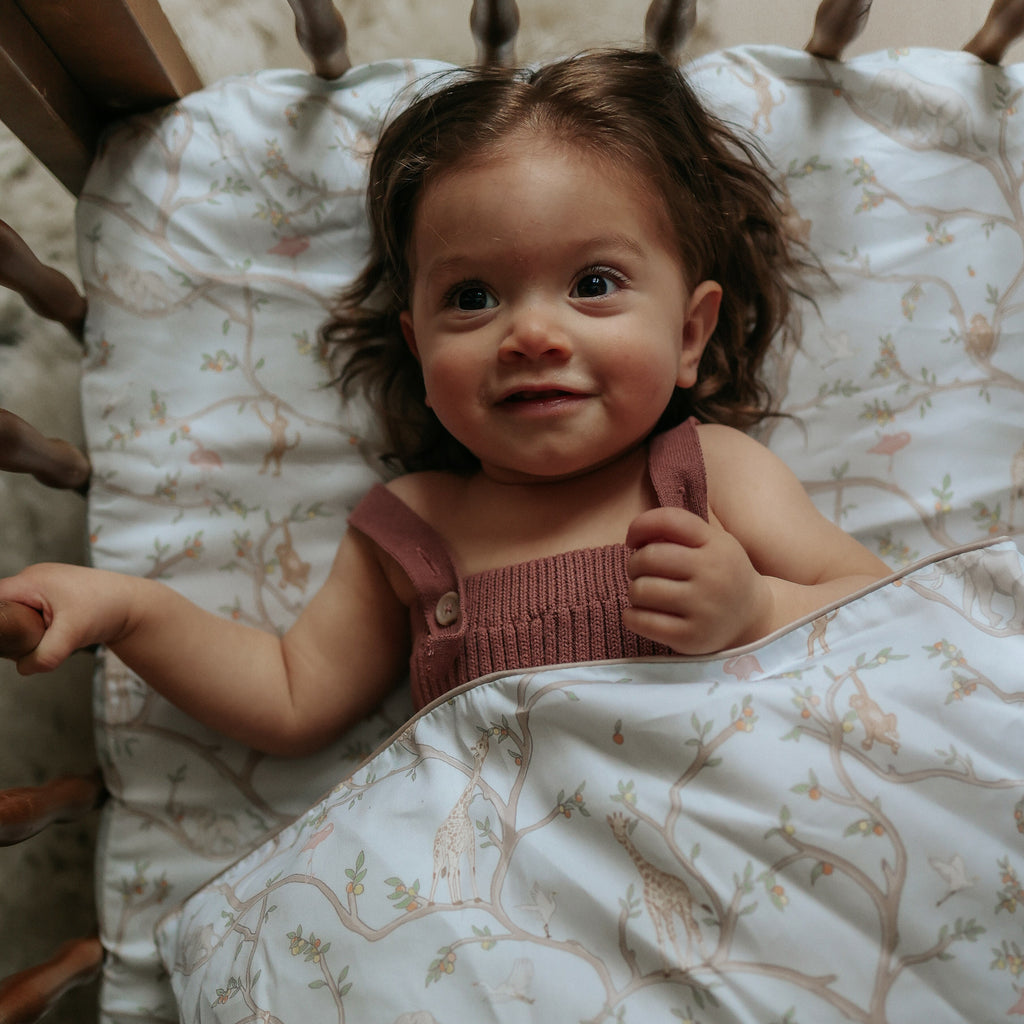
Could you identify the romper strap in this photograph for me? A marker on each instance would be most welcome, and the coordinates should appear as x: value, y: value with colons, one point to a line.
x: 421, y: 552
x: 676, y: 466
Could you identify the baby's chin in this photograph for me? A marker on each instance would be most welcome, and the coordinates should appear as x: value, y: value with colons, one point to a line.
x: 559, y: 469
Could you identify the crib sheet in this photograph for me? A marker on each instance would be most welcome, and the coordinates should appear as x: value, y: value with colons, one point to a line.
x: 211, y: 236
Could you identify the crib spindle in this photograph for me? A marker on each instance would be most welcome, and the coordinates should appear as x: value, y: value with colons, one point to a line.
x: 836, y: 25
x: 21, y: 629
x: 46, y: 290
x: 1003, y: 26
x: 667, y: 26
x: 30, y: 994
x: 26, y: 811
x: 50, y: 460
x: 320, y: 30
x: 495, y: 25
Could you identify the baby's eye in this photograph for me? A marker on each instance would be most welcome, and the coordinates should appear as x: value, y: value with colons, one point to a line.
x: 593, y: 285
x: 472, y: 297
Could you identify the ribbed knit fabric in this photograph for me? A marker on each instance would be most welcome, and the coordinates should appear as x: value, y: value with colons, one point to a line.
x: 556, y: 610
x: 564, y: 608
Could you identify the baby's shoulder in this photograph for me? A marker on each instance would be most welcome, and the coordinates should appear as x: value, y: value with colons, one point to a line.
x: 734, y: 461
x: 720, y: 434
x: 721, y: 443
x: 428, y: 492
x: 742, y: 472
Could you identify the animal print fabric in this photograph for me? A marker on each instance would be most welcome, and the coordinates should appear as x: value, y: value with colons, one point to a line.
x: 211, y: 237
x: 825, y: 827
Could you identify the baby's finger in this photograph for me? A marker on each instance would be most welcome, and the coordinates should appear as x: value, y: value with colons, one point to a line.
x: 682, y: 635
x: 660, y: 594
x: 675, y: 525
x: 663, y: 560
x: 50, y: 653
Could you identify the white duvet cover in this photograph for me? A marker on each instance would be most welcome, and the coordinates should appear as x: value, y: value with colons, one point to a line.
x: 826, y: 827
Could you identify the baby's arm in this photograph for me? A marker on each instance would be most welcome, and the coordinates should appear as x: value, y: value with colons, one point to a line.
x: 285, y: 695
x: 766, y: 558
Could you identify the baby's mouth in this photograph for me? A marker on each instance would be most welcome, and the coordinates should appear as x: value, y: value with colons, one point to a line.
x: 545, y: 395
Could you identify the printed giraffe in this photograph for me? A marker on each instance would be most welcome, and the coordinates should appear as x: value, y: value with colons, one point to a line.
x: 664, y: 896
x: 455, y: 836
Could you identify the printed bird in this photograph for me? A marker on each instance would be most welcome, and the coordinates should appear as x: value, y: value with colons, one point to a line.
x: 890, y: 444
x: 954, y: 873
x: 543, y: 906
x: 290, y: 245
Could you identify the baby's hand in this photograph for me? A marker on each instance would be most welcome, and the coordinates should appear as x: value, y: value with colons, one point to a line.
x: 78, y: 607
x: 692, y: 586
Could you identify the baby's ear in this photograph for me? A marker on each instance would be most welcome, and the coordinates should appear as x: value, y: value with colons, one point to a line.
x: 405, y: 319
x: 700, y: 323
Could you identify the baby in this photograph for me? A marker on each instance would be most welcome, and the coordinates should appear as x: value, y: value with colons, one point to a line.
x: 574, y: 276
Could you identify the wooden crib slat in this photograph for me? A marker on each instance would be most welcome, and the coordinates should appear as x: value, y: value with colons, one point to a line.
x: 21, y: 629
x: 667, y: 26
x: 28, y: 995
x: 59, y: 83
x: 47, y: 291
x: 53, y: 462
x: 836, y: 25
x: 320, y: 30
x: 149, y: 66
x: 495, y: 25
x: 41, y: 103
x: 27, y: 810
x: 1003, y: 25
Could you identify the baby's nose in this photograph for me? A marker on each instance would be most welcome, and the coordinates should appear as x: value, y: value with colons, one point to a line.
x: 536, y: 333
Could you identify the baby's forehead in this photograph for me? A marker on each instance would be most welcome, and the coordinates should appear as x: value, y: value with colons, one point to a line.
x: 541, y: 138
x: 638, y: 180
x: 538, y: 202
x: 635, y: 175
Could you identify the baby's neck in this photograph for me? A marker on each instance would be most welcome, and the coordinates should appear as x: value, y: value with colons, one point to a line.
x: 493, y: 523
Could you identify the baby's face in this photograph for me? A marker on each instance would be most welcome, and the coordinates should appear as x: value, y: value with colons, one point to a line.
x: 549, y: 310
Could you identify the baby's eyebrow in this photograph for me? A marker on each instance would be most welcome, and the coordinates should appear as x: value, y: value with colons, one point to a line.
x: 616, y: 241
x: 449, y: 266
x: 581, y: 247
x: 581, y: 250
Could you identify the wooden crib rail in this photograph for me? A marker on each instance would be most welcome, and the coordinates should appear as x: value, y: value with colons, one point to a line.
x: 27, y: 996
x: 30, y: 994
x: 322, y: 35
x: 21, y: 629
x: 836, y: 25
x: 495, y: 25
x: 1003, y: 26
x: 45, y: 290
x: 668, y: 25
x: 52, y: 461
x: 58, y: 85
x: 26, y: 811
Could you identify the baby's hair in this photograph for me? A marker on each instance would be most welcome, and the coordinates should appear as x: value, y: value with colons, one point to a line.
x: 633, y: 108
